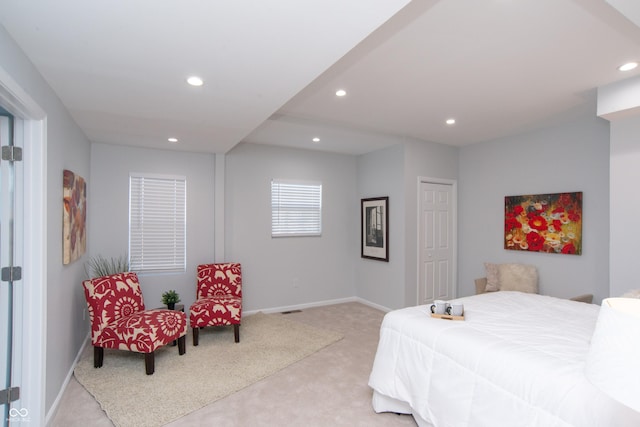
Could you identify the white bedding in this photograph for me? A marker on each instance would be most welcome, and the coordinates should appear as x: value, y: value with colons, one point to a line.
x: 517, y: 360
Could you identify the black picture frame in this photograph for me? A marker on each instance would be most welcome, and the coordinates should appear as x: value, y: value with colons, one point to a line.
x: 374, y: 229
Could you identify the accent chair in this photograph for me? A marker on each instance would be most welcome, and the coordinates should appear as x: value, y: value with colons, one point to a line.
x: 218, y: 298
x: 119, y: 319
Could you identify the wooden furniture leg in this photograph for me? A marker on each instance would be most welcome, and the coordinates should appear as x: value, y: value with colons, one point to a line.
x: 195, y: 336
x: 98, y: 357
x: 149, y: 363
x: 182, y: 348
x: 236, y: 332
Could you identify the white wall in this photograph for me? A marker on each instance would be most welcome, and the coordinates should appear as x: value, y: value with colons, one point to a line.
x: 108, y: 213
x: 67, y: 148
x: 625, y: 204
x: 566, y: 158
x: 394, y: 172
x: 380, y: 174
x: 427, y: 160
x: 620, y: 103
x: 282, y: 272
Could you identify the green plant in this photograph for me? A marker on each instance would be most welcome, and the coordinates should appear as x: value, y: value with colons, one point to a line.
x: 170, y: 297
x: 99, y: 266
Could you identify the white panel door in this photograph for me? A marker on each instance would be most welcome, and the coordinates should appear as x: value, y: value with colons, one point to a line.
x: 436, y: 242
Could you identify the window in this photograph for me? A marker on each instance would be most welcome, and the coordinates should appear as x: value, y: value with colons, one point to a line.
x: 157, y: 223
x: 296, y: 208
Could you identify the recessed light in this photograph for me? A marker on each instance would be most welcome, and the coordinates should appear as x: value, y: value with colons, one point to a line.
x: 451, y: 121
x: 341, y: 92
x: 628, y: 66
x: 316, y: 139
x: 172, y: 139
x: 195, y: 81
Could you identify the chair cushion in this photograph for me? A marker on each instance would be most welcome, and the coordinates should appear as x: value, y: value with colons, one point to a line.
x: 119, y: 320
x: 143, y: 332
x: 215, y: 311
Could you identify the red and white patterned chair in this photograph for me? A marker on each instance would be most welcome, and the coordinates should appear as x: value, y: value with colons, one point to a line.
x: 120, y: 321
x: 218, y: 298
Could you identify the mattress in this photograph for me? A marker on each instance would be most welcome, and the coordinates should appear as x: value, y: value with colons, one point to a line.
x: 516, y: 360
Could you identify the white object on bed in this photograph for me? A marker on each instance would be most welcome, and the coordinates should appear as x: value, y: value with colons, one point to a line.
x: 516, y: 360
x: 612, y: 363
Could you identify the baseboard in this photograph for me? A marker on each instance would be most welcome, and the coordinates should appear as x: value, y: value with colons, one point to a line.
x: 281, y: 309
x: 54, y: 407
x: 373, y: 304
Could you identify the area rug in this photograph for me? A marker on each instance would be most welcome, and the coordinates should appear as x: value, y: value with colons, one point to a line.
x: 214, y: 369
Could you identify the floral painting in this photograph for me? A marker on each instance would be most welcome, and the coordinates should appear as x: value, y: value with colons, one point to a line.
x: 74, y: 216
x: 544, y: 223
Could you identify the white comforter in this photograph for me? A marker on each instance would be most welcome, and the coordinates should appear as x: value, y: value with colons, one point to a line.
x: 516, y: 360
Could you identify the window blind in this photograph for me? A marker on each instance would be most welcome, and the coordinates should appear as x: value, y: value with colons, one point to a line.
x: 296, y: 208
x: 157, y: 223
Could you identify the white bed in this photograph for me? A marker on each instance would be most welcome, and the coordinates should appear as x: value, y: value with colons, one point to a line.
x: 516, y: 360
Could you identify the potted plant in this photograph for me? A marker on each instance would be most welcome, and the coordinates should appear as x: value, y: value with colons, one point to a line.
x: 99, y: 266
x: 170, y: 298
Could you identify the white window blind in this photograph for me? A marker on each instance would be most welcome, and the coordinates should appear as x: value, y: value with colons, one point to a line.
x: 157, y: 223
x: 296, y: 208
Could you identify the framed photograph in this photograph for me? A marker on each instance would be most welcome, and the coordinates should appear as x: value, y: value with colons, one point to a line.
x: 375, y: 228
x: 550, y: 223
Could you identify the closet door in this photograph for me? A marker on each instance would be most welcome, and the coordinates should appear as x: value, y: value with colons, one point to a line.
x: 436, y: 242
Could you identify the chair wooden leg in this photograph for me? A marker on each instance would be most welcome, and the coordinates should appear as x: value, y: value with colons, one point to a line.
x: 149, y: 363
x: 195, y: 336
x: 236, y: 332
x: 182, y: 348
x: 98, y: 357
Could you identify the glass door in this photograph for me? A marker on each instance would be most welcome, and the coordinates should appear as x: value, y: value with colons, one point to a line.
x: 8, y: 389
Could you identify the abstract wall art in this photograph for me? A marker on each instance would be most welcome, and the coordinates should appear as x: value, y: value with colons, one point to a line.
x: 550, y: 223
x: 74, y: 217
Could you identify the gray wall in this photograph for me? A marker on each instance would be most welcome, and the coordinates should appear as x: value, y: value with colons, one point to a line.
x: 281, y: 272
x: 394, y: 172
x: 380, y: 174
x: 625, y: 204
x: 427, y: 160
x: 108, y: 214
x: 66, y: 148
x: 566, y: 158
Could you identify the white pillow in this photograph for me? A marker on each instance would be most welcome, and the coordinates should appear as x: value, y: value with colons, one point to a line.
x: 493, y: 280
x: 518, y: 277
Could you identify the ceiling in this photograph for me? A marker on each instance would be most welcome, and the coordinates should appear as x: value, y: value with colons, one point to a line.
x: 271, y: 68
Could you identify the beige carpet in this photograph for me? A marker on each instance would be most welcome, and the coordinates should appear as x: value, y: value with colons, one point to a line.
x: 213, y: 370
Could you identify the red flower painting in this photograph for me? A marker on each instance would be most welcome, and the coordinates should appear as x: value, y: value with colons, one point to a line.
x: 549, y: 223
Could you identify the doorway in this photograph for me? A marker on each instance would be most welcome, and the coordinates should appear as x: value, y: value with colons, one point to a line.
x: 436, y: 240
x: 23, y: 236
x: 8, y: 321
